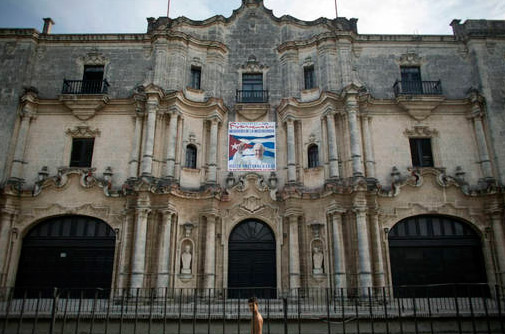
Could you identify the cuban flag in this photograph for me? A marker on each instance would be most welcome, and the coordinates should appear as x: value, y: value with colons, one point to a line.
x: 248, y: 134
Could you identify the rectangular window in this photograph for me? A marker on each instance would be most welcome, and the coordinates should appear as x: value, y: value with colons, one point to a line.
x: 420, y: 149
x: 309, y: 77
x: 411, y: 80
x: 92, y: 79
x: 196, y: 77
x: 252, y: 88
x: 82, y: 152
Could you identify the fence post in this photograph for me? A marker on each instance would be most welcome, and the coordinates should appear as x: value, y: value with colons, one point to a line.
x: 298, y: 309
x: 342, y: 302
x: 474, y: 329
x: 224, y: 311
x: 457, y: 308
x: 10, y: 293
x: 385, y: 303
x: 195, y: 295
x: 328, y: 310
x: 498, y: 300
x: 20, y: 321
x: 484, y: 302
x: 285, y: 309
x: 93, y: 312
x: 370, y: 310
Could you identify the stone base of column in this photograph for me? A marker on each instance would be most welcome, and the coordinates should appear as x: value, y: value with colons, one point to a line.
x: 294, y: 281
x: 365, y: 283
x: 137, y: 280
x: 209, y: 281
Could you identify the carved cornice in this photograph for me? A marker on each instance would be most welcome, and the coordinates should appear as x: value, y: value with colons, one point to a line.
x: 410, y: 59
x: 93, y: 58
x: 253, y: 66
x: 83, y: 131
x: 420, y: 131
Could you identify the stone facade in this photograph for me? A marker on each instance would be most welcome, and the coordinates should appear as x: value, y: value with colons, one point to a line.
x: 364, y: 183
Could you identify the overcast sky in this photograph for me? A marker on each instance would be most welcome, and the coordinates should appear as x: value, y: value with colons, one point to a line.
x: 129, y: 16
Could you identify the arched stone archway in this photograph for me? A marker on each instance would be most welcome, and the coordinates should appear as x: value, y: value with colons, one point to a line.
x: 436, y: 250
x: 251, y: 260
x: 75, y: 252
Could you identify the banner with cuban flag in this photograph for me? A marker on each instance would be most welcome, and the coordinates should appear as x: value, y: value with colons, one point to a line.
x: 251, y: 146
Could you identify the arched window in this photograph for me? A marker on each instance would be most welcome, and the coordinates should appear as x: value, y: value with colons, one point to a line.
x: 435, y: 251
x: 313, y: 155
x: 191, y: 156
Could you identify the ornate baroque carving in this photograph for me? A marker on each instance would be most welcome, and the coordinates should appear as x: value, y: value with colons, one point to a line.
x: 420, y: 131
x: 410, y: 59
x: 83, y: 131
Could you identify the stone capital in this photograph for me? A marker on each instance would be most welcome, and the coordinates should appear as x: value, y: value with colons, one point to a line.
x: 143, y: 212
x: 293, y: 212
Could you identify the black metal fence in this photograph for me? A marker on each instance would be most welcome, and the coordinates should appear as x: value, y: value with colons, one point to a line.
x: 365, y: 310
x: 406, y: 87
x: 252, y: 96
x: 85, y: 87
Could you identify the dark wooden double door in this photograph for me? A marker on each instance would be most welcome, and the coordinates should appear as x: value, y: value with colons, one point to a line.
x: 436, y: 256
x: 74, y: 253
x: 251, y: 261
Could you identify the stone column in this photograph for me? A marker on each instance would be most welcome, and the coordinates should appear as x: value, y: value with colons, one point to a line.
x: 134, y: 156
x: 377, y: 251
x: 369, y: 157
x: 139, y: 249
x: 294, y: 253
x: 351, y: 107
x: 291, y: 147
x: 171, y: 145
x: 164, y: 250
x: 290, y: 73
x: 147, y: 158
x: 5, y: 229
x: 161, y: 75
x: 364, y: 265
x: 339, y: 269
x: 210, y: 252
x: 177, y: 65
x: 485, y: 161
x: 499, y: 243
x: 19, y: 153
x: 329, y: 75
x: 212, y: 175
x: 332, y: 145
x: 344, y: 50
x: 123, y: 270
x: 214, y: 66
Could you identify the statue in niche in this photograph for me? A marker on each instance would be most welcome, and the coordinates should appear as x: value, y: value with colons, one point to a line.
x: 317, y: 260
x: 186, y: 258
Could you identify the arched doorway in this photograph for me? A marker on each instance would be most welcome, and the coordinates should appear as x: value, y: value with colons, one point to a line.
x: 251, y: 260
x: 75, y: 252
x: 436, y: 250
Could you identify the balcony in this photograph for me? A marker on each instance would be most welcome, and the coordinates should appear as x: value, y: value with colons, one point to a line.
x: 85, y: 87
x: 403, y: 87
x: 252, y: 96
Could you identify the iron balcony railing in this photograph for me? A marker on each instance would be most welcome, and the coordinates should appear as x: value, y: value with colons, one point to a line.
x: 318, y: 310
x: 404, y: 87
x: 85, y: 87
x: 252, y: 96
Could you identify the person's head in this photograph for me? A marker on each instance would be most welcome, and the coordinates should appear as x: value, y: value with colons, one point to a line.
x: 187, y: 248
x: 259, y: 149
x: 253, y: 304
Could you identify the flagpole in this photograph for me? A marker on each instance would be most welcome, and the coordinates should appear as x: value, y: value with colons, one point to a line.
x: 336, y: 11
x: 168, y: 9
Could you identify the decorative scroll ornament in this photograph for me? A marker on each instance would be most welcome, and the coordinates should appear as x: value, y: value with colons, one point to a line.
x: 410, y: 59
x: 252, y: 65
x: 83, y: 131
x: 420, y: 131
